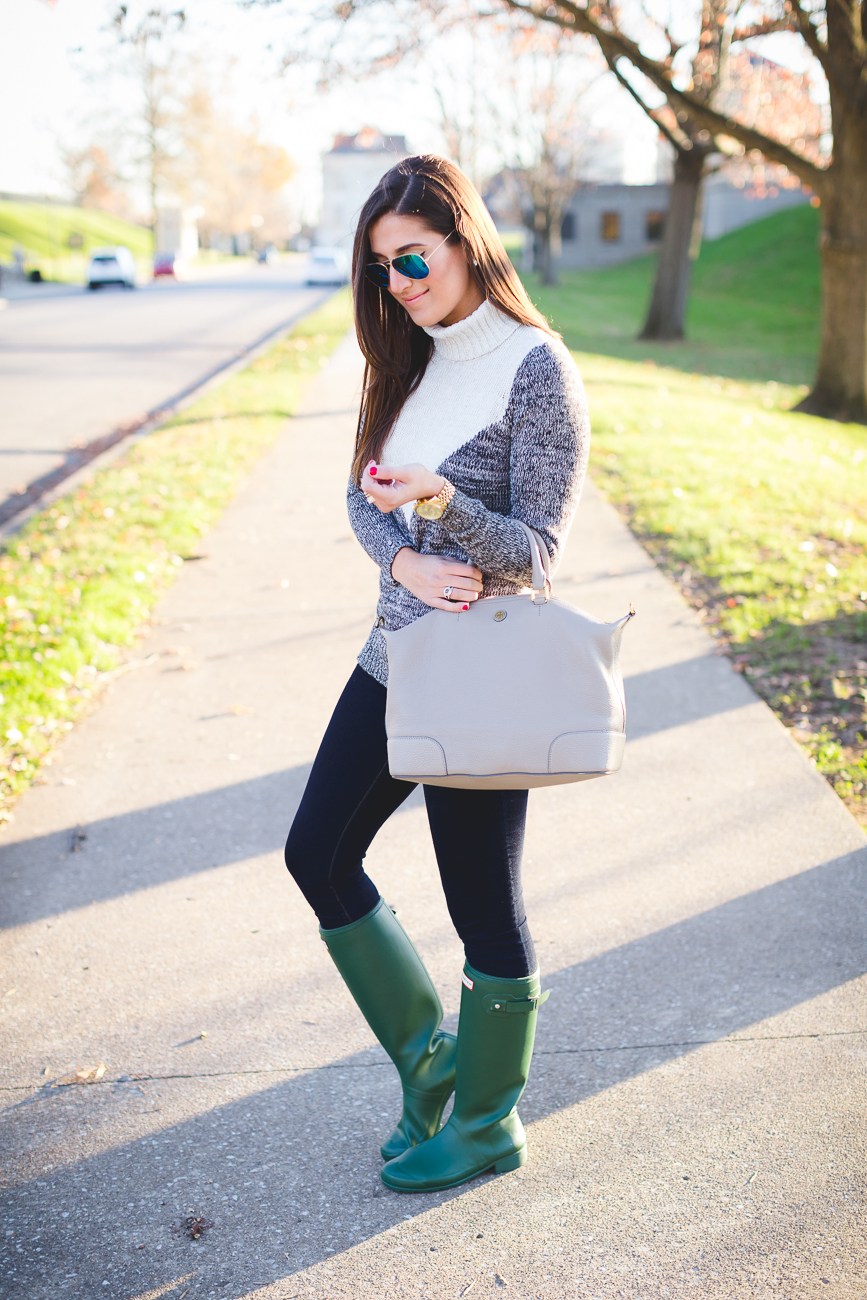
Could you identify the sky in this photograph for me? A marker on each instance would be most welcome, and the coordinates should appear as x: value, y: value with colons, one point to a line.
x: 51, y: 97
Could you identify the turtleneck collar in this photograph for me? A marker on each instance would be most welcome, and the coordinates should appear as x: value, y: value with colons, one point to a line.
x: 474, y: 336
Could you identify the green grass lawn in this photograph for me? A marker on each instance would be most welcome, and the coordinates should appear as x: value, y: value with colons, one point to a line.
x: 81, y: 579
x: 753, y: 312
x: 43, y: 231
x: 759, y: 514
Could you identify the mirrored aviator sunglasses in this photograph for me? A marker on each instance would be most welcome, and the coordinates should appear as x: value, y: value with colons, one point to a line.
x: 412, y: 265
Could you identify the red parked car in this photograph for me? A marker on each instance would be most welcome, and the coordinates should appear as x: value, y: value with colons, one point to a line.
x: 164, y: 264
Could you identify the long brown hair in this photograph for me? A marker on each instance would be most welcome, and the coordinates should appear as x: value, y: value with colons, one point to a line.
x: 396, y: 350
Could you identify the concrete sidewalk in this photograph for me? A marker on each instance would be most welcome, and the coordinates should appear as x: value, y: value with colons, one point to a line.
x: 696, y: 1107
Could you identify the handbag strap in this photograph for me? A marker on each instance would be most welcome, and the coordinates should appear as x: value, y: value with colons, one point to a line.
x: 541, y: 561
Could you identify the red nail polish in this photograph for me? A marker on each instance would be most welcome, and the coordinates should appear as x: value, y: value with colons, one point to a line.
x: 372, y: 471
x: 464, y: 606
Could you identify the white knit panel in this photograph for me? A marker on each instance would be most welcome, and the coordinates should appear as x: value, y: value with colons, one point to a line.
x: 459, y: 397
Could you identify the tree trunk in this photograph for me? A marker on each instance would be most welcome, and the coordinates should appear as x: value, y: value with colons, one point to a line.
x: 545, y: 257
x: 680, y: 244
x: 840, y: 390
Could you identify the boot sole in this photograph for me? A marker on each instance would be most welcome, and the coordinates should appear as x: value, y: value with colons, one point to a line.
x: 505, y: 1165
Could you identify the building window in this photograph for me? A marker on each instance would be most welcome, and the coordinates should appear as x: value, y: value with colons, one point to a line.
x: 610, y: 227
x: 568, y: 229
x: 654, y: 226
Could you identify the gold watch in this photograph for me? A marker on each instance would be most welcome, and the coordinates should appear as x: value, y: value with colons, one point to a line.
x: 435, y: 507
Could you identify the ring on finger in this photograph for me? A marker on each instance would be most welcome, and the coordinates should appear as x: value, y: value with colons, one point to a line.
x: 447, y: 592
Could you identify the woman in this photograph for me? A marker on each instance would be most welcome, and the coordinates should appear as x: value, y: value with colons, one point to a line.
x: 473, y: 416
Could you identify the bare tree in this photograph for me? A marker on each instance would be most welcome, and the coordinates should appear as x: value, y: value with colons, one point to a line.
x: 227, y: 170
x: 728, y: 83
x: 544, y: 133
x: 460, y: 86
x: 836, y: 34
x: 155, y: 68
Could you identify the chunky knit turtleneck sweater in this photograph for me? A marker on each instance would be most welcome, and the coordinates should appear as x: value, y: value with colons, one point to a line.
x: 501, y: 413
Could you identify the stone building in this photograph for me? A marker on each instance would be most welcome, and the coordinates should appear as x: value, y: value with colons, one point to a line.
x: 349, y: 172
x: 609, y: 223
x: 605, y: 224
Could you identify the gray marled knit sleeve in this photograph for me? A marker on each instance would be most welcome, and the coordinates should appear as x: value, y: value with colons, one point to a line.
x: 380, y: 534
x: 549, y: 429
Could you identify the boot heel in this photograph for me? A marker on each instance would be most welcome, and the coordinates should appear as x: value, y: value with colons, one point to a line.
x: 508, y: 1163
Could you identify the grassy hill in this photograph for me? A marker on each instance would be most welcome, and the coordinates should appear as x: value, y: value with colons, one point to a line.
x: 44, y: 230
x: 753, y: 313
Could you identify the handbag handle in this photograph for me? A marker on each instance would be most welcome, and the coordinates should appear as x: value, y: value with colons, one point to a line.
x: 541, y: 561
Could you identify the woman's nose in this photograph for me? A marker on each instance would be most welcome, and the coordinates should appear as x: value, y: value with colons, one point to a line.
x: 396, y: 281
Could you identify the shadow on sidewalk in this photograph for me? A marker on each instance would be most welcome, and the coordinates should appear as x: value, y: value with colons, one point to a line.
x: 297, y: 1162
x: 55, y: 873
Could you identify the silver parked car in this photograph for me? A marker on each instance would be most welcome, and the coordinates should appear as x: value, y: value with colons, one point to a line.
x: 328, y: 266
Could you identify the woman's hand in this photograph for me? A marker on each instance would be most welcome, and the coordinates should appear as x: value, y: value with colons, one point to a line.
x: 390, y: 486
x: 428, y: 576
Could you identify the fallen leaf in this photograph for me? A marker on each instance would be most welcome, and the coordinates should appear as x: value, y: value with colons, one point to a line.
x: 195, y: 1226
x: 89, y: 1074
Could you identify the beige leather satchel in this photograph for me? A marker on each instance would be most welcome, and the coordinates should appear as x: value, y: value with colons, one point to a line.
x: 516, y: 692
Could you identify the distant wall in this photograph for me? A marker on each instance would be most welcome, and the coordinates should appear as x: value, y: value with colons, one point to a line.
x: 606, y: 224
x: 727, y: 208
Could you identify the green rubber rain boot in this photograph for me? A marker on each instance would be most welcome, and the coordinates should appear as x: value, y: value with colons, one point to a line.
x: 495, y: 1045
x: 394, y: 993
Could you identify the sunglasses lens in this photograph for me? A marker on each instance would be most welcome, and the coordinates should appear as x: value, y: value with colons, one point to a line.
x: 412, y: 266
x: 377, y: 274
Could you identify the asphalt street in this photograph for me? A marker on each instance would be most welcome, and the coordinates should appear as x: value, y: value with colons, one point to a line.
x: 76, y: 365
x: 176, y: 1045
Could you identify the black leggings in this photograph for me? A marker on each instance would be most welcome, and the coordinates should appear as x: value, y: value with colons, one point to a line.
x: 478, y: 837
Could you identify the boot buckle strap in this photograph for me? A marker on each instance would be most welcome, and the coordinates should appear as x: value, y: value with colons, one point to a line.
x: 498, y: 1006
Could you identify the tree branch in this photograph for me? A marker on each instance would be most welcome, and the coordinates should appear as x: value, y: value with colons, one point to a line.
x: 806, y: 29
x: 765, y: 28
x: 830, y: 65
x: 672, y: 139
x: 615, y: 45
x: 674, y: 47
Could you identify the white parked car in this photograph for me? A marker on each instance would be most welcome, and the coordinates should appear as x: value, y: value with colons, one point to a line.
x: 111, y: 266
x: 328, y: 266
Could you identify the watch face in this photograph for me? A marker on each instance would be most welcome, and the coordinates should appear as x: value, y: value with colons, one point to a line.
x: 429, y: 509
